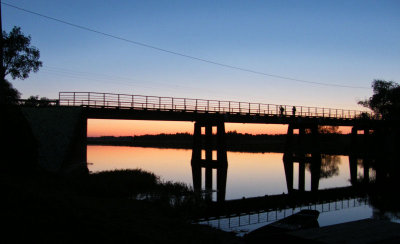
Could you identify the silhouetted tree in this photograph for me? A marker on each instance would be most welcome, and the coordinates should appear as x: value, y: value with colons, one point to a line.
x: 19, y: 59
x: 327, y: 129
x: 329, y: 166
x: 386, y: 99
x: 9, y: 94
x: 34, y: 101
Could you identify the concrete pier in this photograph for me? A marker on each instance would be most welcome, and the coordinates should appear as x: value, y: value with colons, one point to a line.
x: 209, y: 144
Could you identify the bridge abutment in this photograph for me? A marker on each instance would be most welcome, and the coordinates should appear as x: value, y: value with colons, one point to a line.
x: 60, y: 134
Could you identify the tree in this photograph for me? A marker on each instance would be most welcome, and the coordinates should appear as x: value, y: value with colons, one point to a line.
x: 19, y: 59
x: 328, y: 129
x: 9, y: 94
x: 34, y: 101
x: 385, y: 101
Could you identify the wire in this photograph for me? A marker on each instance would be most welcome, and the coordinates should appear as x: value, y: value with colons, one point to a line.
x: 182, y: 54
x: 74, y: 74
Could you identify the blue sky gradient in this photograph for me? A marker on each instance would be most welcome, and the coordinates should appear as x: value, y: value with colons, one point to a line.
x: 346, y: 43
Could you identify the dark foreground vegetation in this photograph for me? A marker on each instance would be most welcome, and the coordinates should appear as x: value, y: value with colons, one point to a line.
x: 113, y: 207
x: 101, y: 207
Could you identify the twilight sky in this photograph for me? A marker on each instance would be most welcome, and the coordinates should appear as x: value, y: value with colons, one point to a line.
x: 339, y: 43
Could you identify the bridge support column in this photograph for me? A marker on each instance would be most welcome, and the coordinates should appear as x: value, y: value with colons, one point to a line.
x: 301, y: 143
x: 362, y: 143
x: 209, y: 144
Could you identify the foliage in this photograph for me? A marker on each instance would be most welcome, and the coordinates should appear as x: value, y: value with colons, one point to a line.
x: 9, y: 95
x: 19, y: 58
x: 326, y: 129
x: 47, y: 207
x: 385, y: 100
x: 330, y: 166
x: 35, y: 101
x: 131, y: 184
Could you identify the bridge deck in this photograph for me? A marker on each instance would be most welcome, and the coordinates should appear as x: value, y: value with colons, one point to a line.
x: 121, y: 106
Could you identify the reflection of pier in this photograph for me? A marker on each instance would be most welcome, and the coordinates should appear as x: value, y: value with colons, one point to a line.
x: 355, y: 161
x: 314, y: 160
x: 202, y: 157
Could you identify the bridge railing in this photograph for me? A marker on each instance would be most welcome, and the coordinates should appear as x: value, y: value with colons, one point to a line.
x: 124, y: 101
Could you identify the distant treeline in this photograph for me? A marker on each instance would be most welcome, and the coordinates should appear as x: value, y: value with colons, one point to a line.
x: 335, y: 143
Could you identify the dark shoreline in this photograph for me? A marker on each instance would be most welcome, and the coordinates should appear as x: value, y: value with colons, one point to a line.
x: 98, y: 208
x: 328, y: 143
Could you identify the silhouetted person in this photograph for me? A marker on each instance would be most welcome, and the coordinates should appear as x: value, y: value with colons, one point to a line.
x: 282, y: 110
x: 294, y: 110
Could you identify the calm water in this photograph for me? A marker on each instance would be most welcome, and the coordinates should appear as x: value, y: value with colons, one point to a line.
x: 248, y: 175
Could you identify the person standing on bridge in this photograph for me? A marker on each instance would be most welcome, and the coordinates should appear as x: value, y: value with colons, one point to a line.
x: 282, y: 110
x: 294, y: 111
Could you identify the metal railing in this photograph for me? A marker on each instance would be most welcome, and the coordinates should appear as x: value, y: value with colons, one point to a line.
x: 37, y: 102
x: 124, y: 101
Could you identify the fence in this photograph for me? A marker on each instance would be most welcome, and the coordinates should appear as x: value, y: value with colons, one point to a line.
x: 123, y: 101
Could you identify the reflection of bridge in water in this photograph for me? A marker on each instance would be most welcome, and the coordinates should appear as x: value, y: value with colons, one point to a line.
x: 295, y: 198
x: 234, y: 221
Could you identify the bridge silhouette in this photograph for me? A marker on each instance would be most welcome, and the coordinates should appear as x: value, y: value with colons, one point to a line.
x: 123, y: 106
x: 214, y: 113
x: 66, y: 122
x: 62, y: 128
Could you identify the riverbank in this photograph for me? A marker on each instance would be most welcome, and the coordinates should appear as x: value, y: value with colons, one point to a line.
x: 98, y: 208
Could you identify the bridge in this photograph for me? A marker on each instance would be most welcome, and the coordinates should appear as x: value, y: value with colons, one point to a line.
x: 122, y: 106
x: 61, y: 125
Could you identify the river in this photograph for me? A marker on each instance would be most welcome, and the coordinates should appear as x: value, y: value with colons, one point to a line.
x: 248, y: 175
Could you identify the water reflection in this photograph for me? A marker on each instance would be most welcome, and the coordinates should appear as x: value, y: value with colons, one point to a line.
x: 319, y: 167
x: 313, y: 161
x: 271, y: 180
x: 221, y: 169
x: 241, y: 175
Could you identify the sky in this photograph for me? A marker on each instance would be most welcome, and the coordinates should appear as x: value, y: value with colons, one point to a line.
x: 330, y: 50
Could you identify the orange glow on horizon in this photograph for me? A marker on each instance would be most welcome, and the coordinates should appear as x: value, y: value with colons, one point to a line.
x: 103, y: 127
